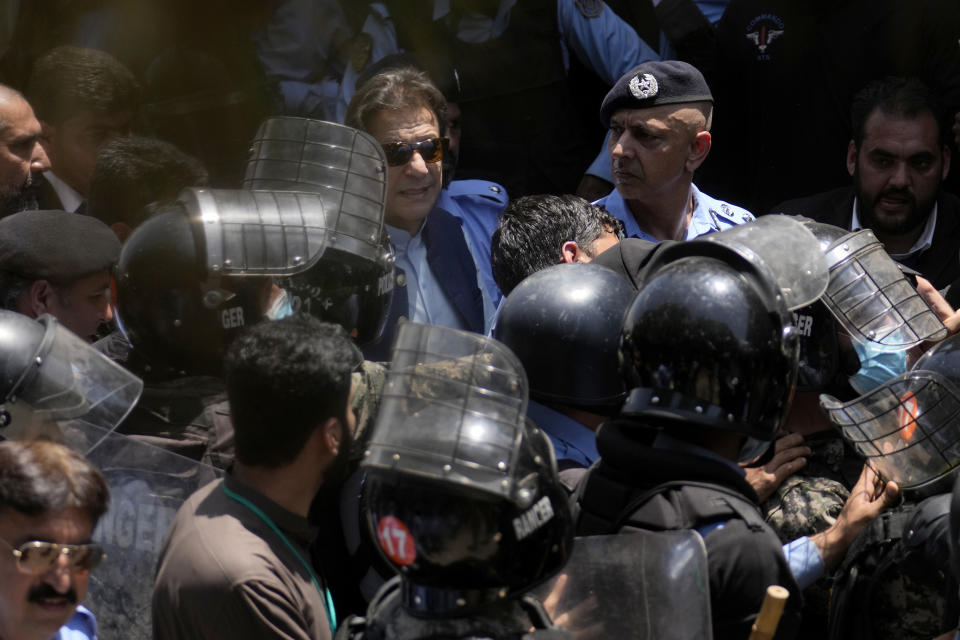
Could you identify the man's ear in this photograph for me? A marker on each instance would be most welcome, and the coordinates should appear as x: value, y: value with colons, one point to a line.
x: 35, y: 299
x: 852, y: 158
x: 333, y: 435
x: 699, y: 148
x: 945, y: 155
x: 570, y: 251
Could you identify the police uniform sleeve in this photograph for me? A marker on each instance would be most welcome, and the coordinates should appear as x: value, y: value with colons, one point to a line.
x: 601, y: 39
x: 743, y: 562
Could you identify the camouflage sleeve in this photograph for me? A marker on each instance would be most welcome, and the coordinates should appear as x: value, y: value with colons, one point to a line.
x: 366, y: 402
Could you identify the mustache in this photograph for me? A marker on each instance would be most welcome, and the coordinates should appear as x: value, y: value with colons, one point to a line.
x: 44, y: 591
x: 906, y: 194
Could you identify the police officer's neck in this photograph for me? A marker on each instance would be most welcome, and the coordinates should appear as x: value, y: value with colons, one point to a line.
x: 666, y: 216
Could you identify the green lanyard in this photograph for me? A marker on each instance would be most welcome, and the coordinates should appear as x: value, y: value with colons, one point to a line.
x: 324, y: 593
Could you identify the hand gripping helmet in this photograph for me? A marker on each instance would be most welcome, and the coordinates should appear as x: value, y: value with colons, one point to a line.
x: 352, y: 282
x: 462, y: 492
x: 194, y: 274
x: 570, y: 313
x: 907, y: 428
x: 52, y: 381
x: 709, y: 341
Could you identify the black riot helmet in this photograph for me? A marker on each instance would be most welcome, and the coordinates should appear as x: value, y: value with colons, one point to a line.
x: 569, y: 313
x: 908, y: 428
x: 351, y: 284
x: 462, y: 492
x: 711, y: 345
x: 194, y: 274
x: 709, y: 341
x: 50, y: 378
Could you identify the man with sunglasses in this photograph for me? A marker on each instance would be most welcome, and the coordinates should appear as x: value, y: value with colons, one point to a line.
x: 50, y: 501
x: 438, y: 281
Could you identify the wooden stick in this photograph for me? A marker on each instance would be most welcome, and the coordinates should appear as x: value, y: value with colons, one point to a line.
x: 769, y: 617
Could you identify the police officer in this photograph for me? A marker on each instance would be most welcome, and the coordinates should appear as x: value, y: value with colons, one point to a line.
x: 659, y: 115
x: 463, y: 499
x: 58, y: 263
x: 569, y: 313
x: 709, y: 361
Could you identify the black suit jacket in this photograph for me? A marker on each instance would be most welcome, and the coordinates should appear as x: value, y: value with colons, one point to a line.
x: 940, y: 264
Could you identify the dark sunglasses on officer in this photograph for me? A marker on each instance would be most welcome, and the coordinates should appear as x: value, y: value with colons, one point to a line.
x: 400, y: 153
x: 37, y: 557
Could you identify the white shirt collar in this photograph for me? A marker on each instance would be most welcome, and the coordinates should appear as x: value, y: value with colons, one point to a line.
x: 69, y: 198
x: 924, y: 242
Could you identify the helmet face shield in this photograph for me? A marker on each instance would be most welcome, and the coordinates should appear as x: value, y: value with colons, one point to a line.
x: 259, y: 233
x: 453, y: 409
x: 907, y: 428
x: 873, y: 300
x: 343, y: 167
x: 69, y: 383
x: 800, y: 274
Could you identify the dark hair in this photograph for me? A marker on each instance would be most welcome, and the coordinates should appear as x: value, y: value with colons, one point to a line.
x: 396, y: 89
x: 41, y: 477
x: 67, y: 79
x: 132, y: 172
x: 284, y: 379
x: 532, y: 231
x: 900, y: 97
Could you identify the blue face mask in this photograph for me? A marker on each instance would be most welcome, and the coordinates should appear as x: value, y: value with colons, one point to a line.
x: 281, y: 307
x: 876, y: 367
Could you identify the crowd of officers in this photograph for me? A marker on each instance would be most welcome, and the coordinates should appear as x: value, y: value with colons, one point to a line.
x: 300, y: 382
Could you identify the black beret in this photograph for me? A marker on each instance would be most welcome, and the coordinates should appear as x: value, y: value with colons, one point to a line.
x: 655, y: 83
x: 55, y: 245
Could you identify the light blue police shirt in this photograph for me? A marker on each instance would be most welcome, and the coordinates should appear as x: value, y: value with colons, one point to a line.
x: 570, y: 439
x: 709, y: 215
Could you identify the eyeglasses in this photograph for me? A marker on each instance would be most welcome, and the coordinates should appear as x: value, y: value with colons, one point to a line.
x: 38, y: 557
x: 400, y: 153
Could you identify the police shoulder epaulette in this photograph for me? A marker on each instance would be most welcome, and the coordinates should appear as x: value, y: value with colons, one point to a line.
x: 728, y: 213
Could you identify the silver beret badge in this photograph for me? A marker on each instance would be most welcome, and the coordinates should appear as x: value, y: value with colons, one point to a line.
x: 644, y: 86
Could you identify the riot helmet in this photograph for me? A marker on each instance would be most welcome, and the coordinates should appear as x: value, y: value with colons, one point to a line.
x: 351, y: 283
x: 907, y: 427
x: 51, y: 379
x: 709, y: 341
x: 194, y: 274
x: 462, y: 492
x: 574, y: 313
x: 870, y: 296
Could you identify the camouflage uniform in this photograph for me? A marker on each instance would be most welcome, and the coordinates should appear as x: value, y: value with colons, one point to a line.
x: 808, y: 502
x: 368, y: 382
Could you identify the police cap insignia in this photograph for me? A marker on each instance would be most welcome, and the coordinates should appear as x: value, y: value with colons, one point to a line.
x: 589, y: 8
x: 644, y: 86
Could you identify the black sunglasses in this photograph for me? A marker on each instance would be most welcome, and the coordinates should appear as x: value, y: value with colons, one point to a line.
x: 400, y: 153
x: 38, y: 557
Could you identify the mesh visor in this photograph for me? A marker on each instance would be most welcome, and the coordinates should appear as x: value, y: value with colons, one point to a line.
x: 800, y: 273
x: 453, y: 408
x: 873, y: 300
x: 647, y: 577
x: 259, y: 232
x: 344, y: 167
x: 73, y: 384
x: 907, y: 428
